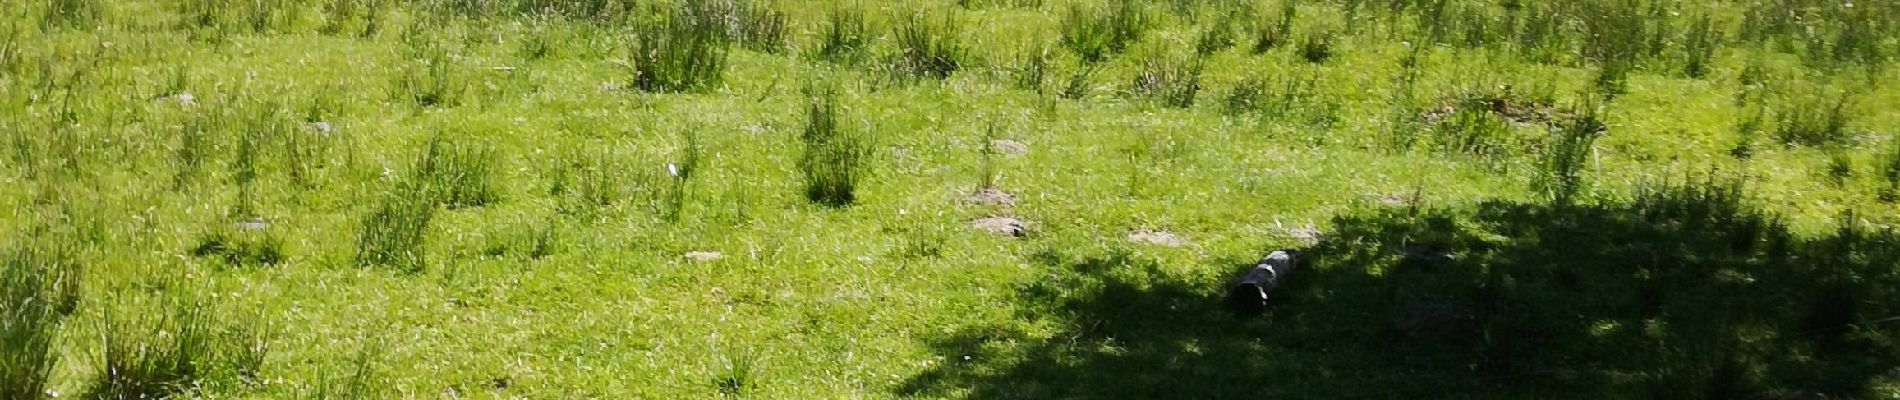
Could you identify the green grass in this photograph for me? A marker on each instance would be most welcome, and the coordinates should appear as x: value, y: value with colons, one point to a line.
x: 498, y: 199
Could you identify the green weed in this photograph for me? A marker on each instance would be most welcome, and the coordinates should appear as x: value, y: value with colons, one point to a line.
x: 1703, y: 39
x: 456, y: 174
x: 433, y: 81
x: 683, y: 52
x: 72, y: 13
x: 1292, y: 99
x: 835, y: 157
x: 1172, y: 82
x: 1890, y: 174
x: 1272, y: 34
x: 241, y: 247
x: 1568, y: 154
x: 1095, y: 35
x: 1215, y: 37
x: 1317, y: 47
x: 927, y: 49
x: 1814, y: 120
x: 393, y: 232
x: 846, y: 38
x: 39, y: 285
x: 1031, y: 69
x: 761, y: 28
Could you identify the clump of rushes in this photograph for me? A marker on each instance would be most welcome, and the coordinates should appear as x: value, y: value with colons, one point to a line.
x: 1096, y: 35
x: 1031, y: 69
x: 1171, y: 82
x: 1890, y: 172
x: 394, y: 231
x: 833, y: 162
x: 1814, y: 121
x: 446, y: 174
x: 456, y: 174
x: 432, y: 82
x: 237, y: 247
x: 1703, y: 38
x: 1561, y: 175
x: 926, y: 49
x: 1317, y: 47
x: 685, y: 51
x: 760, y: 28
x: 174, y: 352
x: 1268, y: 36
x: 1216, y: 37
x: 845, y: 38
x: 39, y: 286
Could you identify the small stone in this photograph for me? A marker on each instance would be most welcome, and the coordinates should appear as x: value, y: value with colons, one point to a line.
x: 1009, y: 147
x: 1009, y: 226
x: 321, y: 127
x: 1307, y: 234
x: 991, y: 196
x: 1438, y: 321
x: 1391, y: 199
x: 704, y: 256
x: 253, y: 224
x: 1162, y: 238
x: 184, y: 98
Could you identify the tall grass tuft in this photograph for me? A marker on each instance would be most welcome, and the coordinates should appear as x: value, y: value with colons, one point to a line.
x: 446, y: 174
x: 1031, y: 69
x: 1317, y: 47
x: 241, y: 248
x: 1095, y: 35
x: 590, y: 181
x: 175, y: 351
x: 1473, y: 129
x: 834, y: 157
x: 760, y: 28
x: 1271, y: 34
x: 926, y: 49
x: 684, y: 51
x: 1564, y: 160
x: 1890, y: 174
x: 456, y: 174
x: 1703, y: 38
x: 1814, y: 121
x: 38, y: 287
x: 193, y: 150
x: 432, y: 81
x: 1217, y: 36
x: 1170, y: 81
x: 155, y: 359
x: 72, y: 13
x: 681, y: 174
x: 846, y: 38
x: 1287, y: 99
x: 393, y: 233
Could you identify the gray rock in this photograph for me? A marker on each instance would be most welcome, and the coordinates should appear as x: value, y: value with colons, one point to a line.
x: 1009, y: 226
x: 991, y: 196
x: 1009, y: 147
x: 1161, y: 238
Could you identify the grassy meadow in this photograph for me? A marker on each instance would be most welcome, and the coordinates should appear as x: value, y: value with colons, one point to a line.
x: 1033, y: 199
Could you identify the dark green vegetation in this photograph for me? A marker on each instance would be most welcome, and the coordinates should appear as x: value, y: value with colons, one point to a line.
x: 948, y: 198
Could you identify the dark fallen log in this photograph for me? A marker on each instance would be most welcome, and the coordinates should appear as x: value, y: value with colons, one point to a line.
x: 1250, y: 294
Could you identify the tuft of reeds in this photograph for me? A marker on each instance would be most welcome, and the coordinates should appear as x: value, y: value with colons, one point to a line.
x: 927, y: 49
x: 1172, y: 82
x: 683, y: 51
x: 834, y: 158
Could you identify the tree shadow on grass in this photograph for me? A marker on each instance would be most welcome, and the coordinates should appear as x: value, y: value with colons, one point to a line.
x: 1683, y: 292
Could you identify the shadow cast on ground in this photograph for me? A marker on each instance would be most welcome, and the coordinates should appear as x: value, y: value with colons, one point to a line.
x: 1683, y: 292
